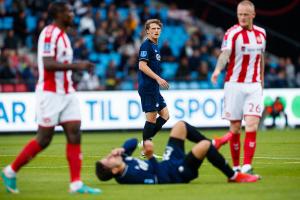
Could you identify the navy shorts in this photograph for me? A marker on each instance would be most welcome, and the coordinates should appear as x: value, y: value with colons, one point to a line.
x: 152, y: 102
x: 182, y: 171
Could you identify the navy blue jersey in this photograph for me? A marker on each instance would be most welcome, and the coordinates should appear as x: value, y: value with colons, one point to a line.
x: 149, y: 52
x: 171, y: 170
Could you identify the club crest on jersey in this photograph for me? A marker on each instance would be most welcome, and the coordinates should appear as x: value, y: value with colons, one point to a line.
x: 258, y: 39
x: 157, y: 57
x: 143, y: 53
x: 243, y: 48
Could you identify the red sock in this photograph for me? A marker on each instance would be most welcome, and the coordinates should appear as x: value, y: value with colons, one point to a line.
x: 249, y: 147
x: 75, y: 159
x: 29, y: 151
x: 235, y: 144
x: 227, y: 137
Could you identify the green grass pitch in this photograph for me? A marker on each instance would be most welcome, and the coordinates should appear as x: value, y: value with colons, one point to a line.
x: 277, y: 160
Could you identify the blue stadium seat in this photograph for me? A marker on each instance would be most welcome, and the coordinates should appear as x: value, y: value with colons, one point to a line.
x: 183, y: 85
x: 123, y: 13
x: 204, y: 85
x: 7, y: 23
x: 89, y: 42
x: 169, y: 70
x: 127, y: 85
x: 163, y: 13
x: 94, y: 57
x: 194, y: 85
x: 116, y: 57
x: 31, y: 22
x: 100, y: 70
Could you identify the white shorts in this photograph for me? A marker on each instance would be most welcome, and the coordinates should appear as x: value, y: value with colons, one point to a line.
x: 53, y: 109
x: 242, y: 99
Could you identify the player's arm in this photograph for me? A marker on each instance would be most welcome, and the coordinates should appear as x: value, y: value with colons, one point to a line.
x: 262, y: 71
x: 129, y: 146
x: 52, y: 65
x: 221, y: 63
x: 146, y: 70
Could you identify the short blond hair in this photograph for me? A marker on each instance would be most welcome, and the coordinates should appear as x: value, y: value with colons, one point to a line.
x: 152, y: 21
x: 248, y: 3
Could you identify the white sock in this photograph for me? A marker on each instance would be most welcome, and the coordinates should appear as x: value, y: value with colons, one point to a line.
x: 246, y: 168
x: 9, y: 172
x: 236, y: 168
x: 75, y: 185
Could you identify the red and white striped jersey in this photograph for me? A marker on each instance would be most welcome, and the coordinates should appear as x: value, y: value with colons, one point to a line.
x: 54, y: 42
x: 246, y: 48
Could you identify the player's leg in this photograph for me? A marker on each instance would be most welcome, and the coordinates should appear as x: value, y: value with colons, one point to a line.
x: 252, y: 112
x: 233, y: 111
x: 203, y: 149
x: 250, y: 142
x: 70, y: 120
x: 29, y: 151
x: 163, y: 114
x: 150, y: 125
x: 235, y: 143
x: 47, y: 118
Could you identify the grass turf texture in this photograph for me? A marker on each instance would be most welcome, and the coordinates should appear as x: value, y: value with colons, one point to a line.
x: 47, y: 177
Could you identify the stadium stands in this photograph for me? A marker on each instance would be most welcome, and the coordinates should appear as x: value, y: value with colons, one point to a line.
x: 121, y: 24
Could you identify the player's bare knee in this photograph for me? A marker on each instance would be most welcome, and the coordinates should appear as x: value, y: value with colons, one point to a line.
x: 252, y: 124
x: 179, y: 130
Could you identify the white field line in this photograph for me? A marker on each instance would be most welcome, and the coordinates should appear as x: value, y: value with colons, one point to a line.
x: 99, y: 156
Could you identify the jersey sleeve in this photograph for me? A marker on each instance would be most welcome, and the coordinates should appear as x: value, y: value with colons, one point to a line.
x: 144, y: 52
x: 130, y: 146
x: 49, y: 42
x: 227, y: 41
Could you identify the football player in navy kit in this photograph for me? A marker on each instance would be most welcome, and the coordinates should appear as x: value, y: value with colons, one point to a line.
x: 176, y: 167
x: 149, y: 81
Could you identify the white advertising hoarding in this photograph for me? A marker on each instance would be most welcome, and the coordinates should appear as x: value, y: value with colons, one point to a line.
x: 122, y: 109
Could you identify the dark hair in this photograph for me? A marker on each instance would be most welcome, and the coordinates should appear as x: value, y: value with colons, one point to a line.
x: 102, y: 172
x: 55, y: 8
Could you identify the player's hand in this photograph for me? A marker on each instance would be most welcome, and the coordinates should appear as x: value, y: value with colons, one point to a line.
x: 82, y: 65
x: 148, y: 149
x: 214, y: 76
x: 117, y: 151
x: 163, y: 83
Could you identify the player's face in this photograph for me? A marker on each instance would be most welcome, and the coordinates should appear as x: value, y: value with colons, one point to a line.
x: 67, y: 16
x: 245, y: 14
x: 112, y: 161
x: 154, y: 31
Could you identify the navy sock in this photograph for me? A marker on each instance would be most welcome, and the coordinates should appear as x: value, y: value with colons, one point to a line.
x: 148, y: 131
x: 193, y: 135
x: 159, y: 123
x: 215, y: 158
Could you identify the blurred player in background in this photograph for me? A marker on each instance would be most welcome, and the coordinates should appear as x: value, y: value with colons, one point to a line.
x: 243, y: 47
x: 56, y: 101
x: 176, y: 167
x: 149, y: 81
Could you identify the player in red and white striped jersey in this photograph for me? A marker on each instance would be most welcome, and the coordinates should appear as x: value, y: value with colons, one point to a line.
x: 56, y: 101
x: 242, y: 48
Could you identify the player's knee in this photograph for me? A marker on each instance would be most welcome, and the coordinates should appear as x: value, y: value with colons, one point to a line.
x: 235, y: 127
x: 252, y: 125
x: 180, y: 124
x: 44, y: 141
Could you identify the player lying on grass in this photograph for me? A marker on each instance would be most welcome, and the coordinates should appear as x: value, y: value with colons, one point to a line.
x: 176, y: 167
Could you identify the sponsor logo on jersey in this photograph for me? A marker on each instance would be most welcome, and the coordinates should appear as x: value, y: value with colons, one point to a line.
x: 157, y: 57
x: 47, y: 47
